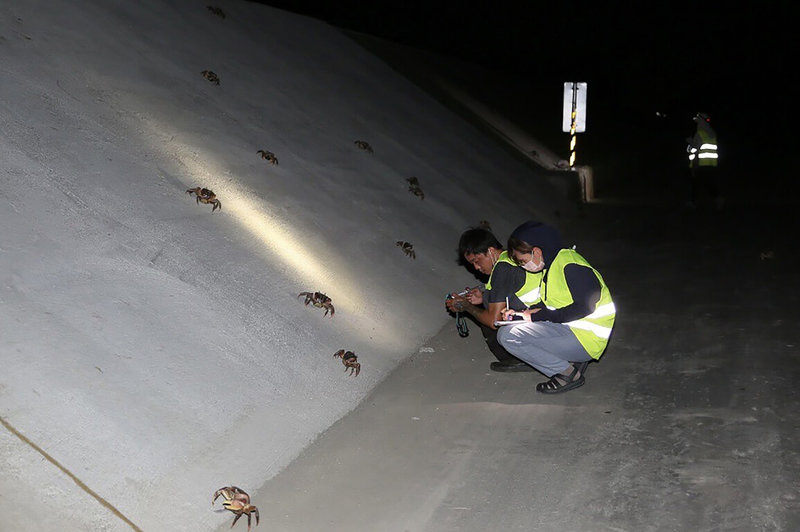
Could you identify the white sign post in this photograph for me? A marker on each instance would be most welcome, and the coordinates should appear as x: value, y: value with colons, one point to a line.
x: 574, y: 119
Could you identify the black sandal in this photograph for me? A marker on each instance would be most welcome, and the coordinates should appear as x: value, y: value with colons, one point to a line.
x: 555, y: 386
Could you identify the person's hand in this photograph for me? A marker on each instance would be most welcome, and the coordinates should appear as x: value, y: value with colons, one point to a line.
x: 474, y: 296
x: 508, y: 314
x: 456, y: 303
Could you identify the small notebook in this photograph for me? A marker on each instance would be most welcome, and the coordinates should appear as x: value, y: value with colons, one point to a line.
x: 508, y: 322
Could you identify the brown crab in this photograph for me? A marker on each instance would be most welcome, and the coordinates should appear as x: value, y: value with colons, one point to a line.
x: 268, y: 155
x: 414, y: 188
x: 350, y: 361
x: 320, y: 300
x: 206, y: 196
x: 364, y: 145
x: 407, y: 248
x: 484, y: 224
x: 238, y: 502
x: 210, y: 76
x: 217, y: 11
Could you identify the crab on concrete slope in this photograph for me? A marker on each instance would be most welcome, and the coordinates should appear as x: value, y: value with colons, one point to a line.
x: 268, y: 155
x: 206, y: 196
x: 320, y: 300
x: 364, y: 145
x: 407, y: 248
x: 217, y: 11
x: 237, y: 501
x: 210, y: 76
x: 484, y: 224
x: 414, y: 188
x: 350, y: 361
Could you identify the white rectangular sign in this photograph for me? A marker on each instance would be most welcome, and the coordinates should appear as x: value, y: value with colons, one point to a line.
x: 578, y: 90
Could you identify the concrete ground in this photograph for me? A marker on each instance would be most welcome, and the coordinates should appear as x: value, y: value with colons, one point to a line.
x: 689, y: 422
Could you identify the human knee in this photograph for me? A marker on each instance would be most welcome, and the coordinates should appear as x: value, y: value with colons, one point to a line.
x: 503, y: 336
x: 509, y: 341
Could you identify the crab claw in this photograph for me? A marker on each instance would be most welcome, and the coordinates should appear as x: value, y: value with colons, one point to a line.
x: 248, y: 510
x: 355, y: 368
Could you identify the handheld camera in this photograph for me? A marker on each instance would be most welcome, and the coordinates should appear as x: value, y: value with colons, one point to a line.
x: 462, y: 294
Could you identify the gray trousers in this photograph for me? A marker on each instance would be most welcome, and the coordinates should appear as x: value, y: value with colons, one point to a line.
x: 549, y: 347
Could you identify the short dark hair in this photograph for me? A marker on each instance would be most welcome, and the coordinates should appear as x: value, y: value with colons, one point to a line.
x: 477, y: 240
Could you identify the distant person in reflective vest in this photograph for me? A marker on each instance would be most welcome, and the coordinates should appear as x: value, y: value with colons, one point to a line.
x: 703, y: 160
x: 572, y: 323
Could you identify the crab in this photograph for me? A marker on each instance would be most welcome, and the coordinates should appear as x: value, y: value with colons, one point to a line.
x: 268, y: 155
x: 238, y: 502
x: 350, y: 361
x: 210, y: 76
x: 484, y: 224
x: 364, y: 145
x: 206, y: 196
x: 320, y: 300
x: 407, y: 248
x: 217, y: 11
x: 413, y: 187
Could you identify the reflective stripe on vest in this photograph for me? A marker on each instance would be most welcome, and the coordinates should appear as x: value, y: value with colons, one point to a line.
x: 603, y: 310
x: 529, y: 293
x: 707, y: 153
x: 530, y: 297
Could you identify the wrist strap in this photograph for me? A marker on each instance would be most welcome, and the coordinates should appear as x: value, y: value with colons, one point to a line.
x: 461, y: 325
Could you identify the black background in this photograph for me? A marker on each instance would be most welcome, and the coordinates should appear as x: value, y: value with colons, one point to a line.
x: 732, y: 62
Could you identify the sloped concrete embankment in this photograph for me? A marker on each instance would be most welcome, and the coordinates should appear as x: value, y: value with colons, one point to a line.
x: 156, y: 351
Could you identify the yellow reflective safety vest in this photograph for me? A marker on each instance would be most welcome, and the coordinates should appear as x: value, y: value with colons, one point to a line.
x: 529, y: 293
x: 594, y: 330
x: 706, y: 154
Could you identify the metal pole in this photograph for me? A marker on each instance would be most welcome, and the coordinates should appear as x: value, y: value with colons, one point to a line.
x: 573, y: 126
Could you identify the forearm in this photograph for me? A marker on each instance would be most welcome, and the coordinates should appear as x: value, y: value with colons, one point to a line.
x: 571, y: 312
x: 482, y: 315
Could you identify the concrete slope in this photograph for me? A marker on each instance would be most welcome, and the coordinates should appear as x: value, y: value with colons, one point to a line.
x: 152, y: 351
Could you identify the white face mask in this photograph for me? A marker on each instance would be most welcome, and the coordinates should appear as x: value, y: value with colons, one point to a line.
x: 533, y: 267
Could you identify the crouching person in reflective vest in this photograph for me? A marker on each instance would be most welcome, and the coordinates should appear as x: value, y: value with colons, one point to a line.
x: 571, y: 324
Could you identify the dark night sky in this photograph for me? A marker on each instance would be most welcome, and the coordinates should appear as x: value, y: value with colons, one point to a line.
x: 638, y: 58
x: 678, y: 48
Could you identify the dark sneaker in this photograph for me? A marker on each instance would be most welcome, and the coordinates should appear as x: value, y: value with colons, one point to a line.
x: 510, y: 366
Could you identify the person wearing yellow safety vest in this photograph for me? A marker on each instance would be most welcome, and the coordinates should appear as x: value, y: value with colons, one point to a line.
x: 572, y: 323
x: 481, y: 250
x: 703, y: 154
